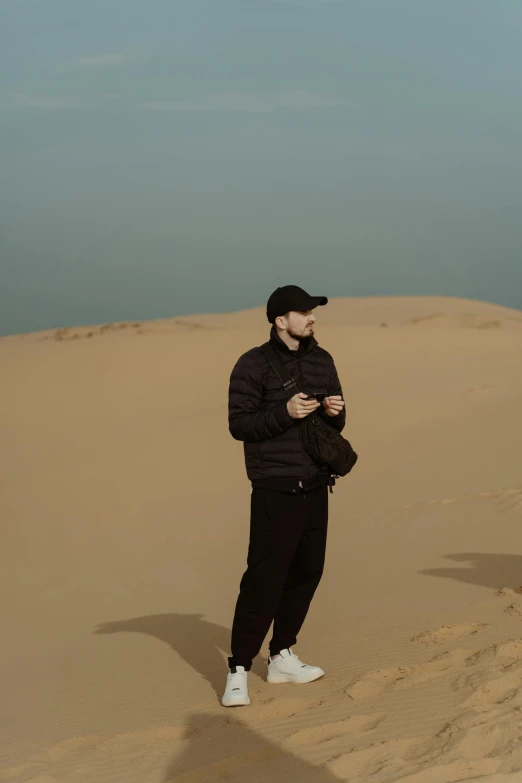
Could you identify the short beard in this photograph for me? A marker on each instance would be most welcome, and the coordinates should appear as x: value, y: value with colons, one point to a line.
x: 300, y: 337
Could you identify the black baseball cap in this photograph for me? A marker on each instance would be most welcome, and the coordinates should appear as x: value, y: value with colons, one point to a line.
x: 291, y: 297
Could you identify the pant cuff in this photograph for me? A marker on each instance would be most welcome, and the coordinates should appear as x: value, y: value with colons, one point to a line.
x: 233, y: 662
x: 275, y: 649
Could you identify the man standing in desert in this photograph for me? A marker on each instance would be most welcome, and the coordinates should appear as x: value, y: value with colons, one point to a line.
x: 289, y: 497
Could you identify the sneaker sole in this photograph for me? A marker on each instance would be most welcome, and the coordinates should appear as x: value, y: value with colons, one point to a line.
x: 277, y: 678
x: 243, y: 703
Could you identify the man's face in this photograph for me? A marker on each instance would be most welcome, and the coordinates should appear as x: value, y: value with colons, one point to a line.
x: 300, y: 325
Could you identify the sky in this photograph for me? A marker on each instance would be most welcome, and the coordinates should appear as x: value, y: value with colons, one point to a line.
x: 167, y: 157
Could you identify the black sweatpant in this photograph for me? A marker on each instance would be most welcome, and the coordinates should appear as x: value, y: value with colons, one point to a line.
x: 284, y: 566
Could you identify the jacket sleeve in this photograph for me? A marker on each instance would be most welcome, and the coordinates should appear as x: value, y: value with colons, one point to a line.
x: 334, y: 387
x: 246, y: 420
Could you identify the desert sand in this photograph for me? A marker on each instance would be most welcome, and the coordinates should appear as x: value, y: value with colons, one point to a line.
x: 125, y: 509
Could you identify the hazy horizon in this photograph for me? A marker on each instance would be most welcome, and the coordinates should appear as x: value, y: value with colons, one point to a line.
x: 168, y: 158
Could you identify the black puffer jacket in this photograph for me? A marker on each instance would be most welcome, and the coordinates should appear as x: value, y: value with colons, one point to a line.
x: 258, y: 416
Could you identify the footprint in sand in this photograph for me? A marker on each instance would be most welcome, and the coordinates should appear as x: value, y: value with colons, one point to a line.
x: 328, y: 731
x: 469, y: 747
x: 509, y: 591
x: 446, y: 633
x: 380, y: 680
x: 366, y: 763
x: 514, y: 609
x: 491, y: 687
x: 510, y: 650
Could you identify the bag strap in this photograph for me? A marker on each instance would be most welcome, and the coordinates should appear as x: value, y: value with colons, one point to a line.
x: 271, y: 354
x: 290, y: 384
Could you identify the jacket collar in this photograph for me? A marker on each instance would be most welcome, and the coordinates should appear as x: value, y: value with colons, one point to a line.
x: 305, y: 346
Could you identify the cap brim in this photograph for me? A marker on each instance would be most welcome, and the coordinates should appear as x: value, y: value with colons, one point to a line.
x: 314, y: 301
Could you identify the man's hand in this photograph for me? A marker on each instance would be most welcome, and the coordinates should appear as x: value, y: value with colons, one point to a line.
x: 333, y: 405
x: 299, y: 407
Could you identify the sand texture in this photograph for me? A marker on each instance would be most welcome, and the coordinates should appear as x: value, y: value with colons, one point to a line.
x: 124, y: 507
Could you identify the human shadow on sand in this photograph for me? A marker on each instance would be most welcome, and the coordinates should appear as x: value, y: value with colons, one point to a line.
x: 487, y: 569
x: 202, y: 644
x: 224, y: 748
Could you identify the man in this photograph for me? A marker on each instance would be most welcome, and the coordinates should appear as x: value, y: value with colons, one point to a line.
x: 289, y: 496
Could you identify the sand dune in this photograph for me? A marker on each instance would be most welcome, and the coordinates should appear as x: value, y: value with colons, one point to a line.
x: 124, y: 512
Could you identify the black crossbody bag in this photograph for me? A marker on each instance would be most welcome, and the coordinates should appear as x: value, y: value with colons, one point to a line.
x: 323, y: 442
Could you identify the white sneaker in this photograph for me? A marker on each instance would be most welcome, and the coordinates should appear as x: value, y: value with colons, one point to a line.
x: 236, y: 692
x: 288, y: 668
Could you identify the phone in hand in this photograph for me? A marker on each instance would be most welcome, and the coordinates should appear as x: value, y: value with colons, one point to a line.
x: 319, y: 396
